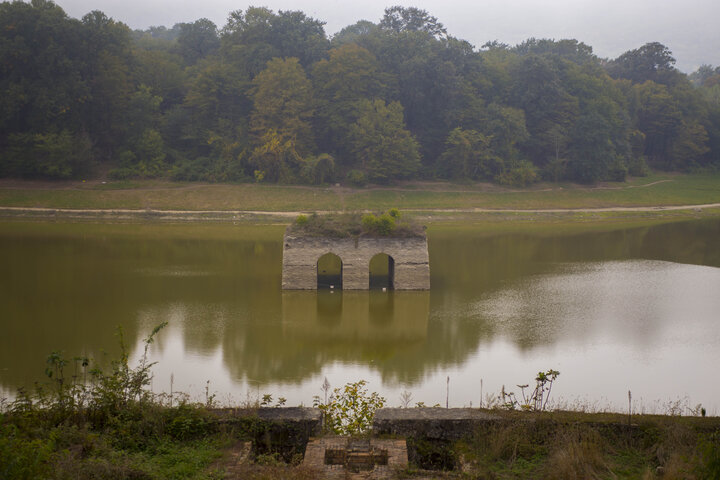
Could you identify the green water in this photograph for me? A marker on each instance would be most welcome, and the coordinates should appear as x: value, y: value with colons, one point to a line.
x: 613, y: 309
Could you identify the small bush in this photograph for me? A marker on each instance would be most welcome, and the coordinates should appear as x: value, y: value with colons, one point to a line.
x: 637, y: 167
x: 618, y: 171
x: 318, y: 170
x: 123, y: 173
x: 357, y: 178
x: 350, y: 410
x: 383, y: 225
x: 354, y: 225
x: 521, y: 175
x: 368, y: 222
x: 191, y: 170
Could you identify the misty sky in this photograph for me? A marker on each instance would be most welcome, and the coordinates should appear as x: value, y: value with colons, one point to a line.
x: 689, y: 27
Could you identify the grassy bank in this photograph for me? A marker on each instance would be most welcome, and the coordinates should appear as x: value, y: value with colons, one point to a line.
x: 152, y: 441
x: 566, y: 445
x: 658, y: 189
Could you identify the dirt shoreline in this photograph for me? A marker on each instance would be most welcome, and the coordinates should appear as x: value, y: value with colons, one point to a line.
x: 286, y: 216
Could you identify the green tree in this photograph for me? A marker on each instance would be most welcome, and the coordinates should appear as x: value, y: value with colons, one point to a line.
x: 401, y: 19
x: 283, y: 102
x: 276, y: 159
x: 350, y: 75
x: 56, y: 155
x: 209, y: 132
x: 41, y: 67
x: 163, y: 72
x: 505, y: 127
x: 106, y: 44
x: 550, y: 111
x: 318, y: 170
x: 381, y: 144
x: 468, y: 155
x: 690, y: 145
x: 197, y: 40
x: 659, y: 118
x: 256, y: 36
x: 653, y: 61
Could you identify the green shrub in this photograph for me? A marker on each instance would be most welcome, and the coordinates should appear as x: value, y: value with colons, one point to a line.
x: 318, y: 170
x: 21, y: 457
x: 122, y: 173
x: 618, y: 171
x: 350, y: 410
x: 637, y: 167
x: 356, y: 178
x: 522, y: 174
x: 385, y: 224
x: 369, y: 221
x: 190, y: 170
x: 343, y: 225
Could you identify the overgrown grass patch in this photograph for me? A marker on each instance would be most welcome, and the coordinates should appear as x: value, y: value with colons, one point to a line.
x: 571, y: 445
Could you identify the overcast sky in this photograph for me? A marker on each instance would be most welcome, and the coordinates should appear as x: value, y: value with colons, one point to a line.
x: 688, y: 27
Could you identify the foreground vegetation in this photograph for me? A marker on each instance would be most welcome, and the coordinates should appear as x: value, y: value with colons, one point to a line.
x: 94, y: 422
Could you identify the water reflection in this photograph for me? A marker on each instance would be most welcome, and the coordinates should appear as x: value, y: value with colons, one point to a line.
x: 502, y: 307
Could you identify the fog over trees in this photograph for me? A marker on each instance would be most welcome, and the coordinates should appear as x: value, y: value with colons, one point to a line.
x: 269, y: 97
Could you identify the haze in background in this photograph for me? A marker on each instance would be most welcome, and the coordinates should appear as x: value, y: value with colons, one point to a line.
x: 612, y: 27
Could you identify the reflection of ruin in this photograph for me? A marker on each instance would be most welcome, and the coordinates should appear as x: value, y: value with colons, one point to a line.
x: 362, y: 263
x: 356, y: 318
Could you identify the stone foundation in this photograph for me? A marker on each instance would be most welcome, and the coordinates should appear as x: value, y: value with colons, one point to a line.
x: 349, y: 458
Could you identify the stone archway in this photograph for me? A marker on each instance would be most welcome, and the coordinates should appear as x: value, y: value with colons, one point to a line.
x: 330, y: 272
x: 382, y: 272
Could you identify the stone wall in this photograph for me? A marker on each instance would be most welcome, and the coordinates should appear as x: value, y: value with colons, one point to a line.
x: 431, y: 423
x: 301, y: 253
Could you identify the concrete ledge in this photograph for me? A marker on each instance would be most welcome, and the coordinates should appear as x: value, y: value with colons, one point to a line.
x: 432, y: 423
x: 272, y: 414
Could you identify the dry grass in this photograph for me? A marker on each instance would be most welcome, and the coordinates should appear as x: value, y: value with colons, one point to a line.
x: 568, y: 445
x: 577, y: 455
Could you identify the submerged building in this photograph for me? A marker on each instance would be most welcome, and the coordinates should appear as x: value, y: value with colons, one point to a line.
x: 312, y: 262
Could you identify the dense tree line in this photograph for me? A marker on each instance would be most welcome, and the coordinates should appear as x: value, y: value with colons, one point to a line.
x: 270, y: 97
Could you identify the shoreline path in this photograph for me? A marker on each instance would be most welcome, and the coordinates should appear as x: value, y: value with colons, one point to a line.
x: 119, y: 212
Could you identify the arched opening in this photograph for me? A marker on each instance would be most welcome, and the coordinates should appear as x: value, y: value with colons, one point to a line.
x: 329, y: 272
x: 382, y: 272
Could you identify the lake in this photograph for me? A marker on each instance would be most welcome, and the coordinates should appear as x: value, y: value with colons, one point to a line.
x: 613, y: 308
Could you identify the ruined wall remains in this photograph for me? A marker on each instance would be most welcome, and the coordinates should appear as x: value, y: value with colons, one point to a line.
x: 301, y: 253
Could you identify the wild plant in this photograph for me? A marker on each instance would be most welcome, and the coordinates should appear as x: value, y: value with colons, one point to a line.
x: 535, y: 401
x: 123, y: 386
x: 267, y: 400
x: 350, y: 409
x: 405, y: 399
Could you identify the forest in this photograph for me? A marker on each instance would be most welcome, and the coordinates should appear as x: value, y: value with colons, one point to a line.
x: 270, y: 97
